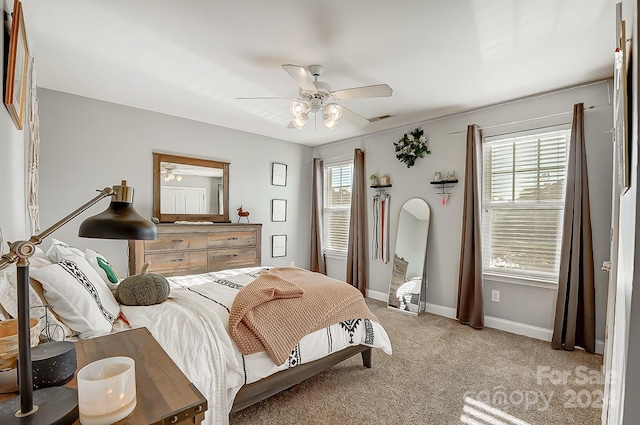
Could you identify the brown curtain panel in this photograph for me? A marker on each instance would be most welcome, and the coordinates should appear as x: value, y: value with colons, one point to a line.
x: 317, y: 256
x: 575, y: 319
x: 356, y: 253
x: 470, y: 309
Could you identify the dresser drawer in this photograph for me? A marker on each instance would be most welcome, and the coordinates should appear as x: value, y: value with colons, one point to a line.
x: 178, y: 263
x: 177, y: 241
x: 229, y: 258
x: 231, y: 239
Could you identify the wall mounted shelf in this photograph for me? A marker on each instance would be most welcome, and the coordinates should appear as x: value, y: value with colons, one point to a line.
x: 444, y: 185
x: 381, y: 188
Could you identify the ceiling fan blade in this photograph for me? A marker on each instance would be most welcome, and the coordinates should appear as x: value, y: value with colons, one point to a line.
x: 301, y: 76
x: 353, y: 118
x: 380, y: 90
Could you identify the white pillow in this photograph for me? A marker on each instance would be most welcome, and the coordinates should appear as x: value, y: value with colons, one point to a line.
x: 104, y: 268
x: 9, y: 297
x: 79, y: 296
x: 59, y: 250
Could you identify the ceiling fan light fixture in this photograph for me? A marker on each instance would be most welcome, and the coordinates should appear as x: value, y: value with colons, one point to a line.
x: 298, y: 108
x: 329, y: 122
x: 300, y: 121
x: 333, y: 110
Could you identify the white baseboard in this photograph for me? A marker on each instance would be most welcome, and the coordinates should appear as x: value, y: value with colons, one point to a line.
x: 377, y: 295
x: 517, y: 328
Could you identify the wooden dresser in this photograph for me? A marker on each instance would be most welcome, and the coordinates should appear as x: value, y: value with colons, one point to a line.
x: 198, y: 248
x: 398, y: 277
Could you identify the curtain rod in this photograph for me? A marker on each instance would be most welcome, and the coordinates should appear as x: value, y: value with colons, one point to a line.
x: 529, y: 119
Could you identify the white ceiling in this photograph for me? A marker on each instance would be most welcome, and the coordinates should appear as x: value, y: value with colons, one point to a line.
x: 193, y: 58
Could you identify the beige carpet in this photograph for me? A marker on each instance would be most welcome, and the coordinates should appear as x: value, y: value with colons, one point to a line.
x: 442, y: 372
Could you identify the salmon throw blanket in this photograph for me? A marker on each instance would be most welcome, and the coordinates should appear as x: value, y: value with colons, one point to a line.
x: 284, y: 304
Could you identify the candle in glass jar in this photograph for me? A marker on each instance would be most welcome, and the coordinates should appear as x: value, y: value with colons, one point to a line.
x: 106, y: 390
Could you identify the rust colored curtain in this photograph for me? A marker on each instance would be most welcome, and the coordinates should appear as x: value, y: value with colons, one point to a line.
x: 356, y: 253
x: 317, y: 256
x: 575, y: 320
x: 470, y: 309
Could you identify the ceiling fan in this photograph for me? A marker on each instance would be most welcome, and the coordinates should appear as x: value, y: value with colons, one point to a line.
x: 317, y: 97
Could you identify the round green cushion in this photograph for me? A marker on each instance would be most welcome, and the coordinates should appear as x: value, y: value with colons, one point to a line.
x: 142, y: 289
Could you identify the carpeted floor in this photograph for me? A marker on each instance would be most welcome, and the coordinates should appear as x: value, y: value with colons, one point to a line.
x: 442, y: 372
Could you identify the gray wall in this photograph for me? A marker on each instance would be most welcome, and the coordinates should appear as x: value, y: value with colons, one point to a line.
x: 523, y: 304
x: 89, y: 144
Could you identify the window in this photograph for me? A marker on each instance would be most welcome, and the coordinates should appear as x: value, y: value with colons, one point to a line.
x: 524, y: 179
x: 337, y: 207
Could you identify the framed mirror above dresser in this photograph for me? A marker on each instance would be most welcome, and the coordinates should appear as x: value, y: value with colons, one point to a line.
x: 190, y: 189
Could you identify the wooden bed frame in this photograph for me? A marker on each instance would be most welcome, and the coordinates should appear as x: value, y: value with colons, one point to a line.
x: 257, y: 391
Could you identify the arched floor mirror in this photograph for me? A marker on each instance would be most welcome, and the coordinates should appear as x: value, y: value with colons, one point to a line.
x: 409, y: 260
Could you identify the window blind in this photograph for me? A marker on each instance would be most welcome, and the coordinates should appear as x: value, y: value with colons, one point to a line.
x: 337, y: 207
x: 523, y: 191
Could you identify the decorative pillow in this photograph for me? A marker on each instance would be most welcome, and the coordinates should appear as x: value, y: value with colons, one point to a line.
x: 104, y: 268
x: 9, y: 297
x: 79, y: 296
x: 59, y: 250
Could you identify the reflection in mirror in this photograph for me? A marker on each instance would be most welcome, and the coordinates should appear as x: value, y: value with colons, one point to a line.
x: 409, y: 272
x: 190, y: 189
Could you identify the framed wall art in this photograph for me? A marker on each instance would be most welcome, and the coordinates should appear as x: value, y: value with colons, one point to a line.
x: 278, y: 174
x: 278, y: 210
x: 278, y: 246
x: 15, y: 94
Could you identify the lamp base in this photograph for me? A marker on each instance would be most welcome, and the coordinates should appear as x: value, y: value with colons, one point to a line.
x: 55, y: 406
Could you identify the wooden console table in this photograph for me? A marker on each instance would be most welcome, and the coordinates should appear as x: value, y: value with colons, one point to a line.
x: 164, y: 394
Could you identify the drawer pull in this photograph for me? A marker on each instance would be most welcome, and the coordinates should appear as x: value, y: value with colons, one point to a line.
x: 177, y: 241
x: 176, y: 260
x: 232, y: 239
x: 198, y: 408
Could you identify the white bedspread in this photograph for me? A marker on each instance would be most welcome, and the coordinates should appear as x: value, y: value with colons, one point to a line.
x: 193, y: 328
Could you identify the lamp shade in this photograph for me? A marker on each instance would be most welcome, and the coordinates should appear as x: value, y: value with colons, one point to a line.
x: 119, y: 221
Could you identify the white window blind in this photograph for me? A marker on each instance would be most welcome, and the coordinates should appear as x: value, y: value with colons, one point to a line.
x: 524, y: 179
x: 337, y: 207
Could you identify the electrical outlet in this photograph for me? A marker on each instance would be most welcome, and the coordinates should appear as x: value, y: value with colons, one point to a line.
x: 293, y: 264
x: 495, y: 295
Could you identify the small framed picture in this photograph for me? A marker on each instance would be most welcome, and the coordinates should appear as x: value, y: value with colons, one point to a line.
x: 278, y: 246
x: 278, y: 210
x: 278, y: 174
x: 437, y: 176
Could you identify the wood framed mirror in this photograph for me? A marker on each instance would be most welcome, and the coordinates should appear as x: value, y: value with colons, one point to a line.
x: 190, y: 189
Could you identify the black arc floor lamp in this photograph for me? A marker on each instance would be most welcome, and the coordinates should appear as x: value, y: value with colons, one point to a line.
x: 59, y: 405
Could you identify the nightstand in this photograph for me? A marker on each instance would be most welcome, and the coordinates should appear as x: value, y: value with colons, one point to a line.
x: 164, y: 394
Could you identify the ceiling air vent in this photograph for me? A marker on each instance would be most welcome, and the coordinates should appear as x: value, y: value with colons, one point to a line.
x: 381, y: 117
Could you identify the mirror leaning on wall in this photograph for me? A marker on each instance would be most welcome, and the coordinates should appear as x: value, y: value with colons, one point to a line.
x: 408, y: 277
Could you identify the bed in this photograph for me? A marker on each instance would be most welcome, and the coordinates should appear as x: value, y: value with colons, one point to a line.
x: 192, y: 326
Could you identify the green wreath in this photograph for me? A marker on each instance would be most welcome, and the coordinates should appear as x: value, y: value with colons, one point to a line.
x: 411, y: 147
